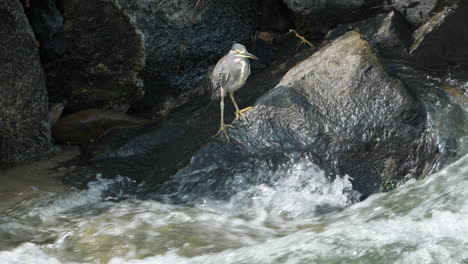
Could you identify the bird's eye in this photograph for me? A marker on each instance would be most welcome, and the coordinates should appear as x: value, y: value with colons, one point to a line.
x: 238, y: 51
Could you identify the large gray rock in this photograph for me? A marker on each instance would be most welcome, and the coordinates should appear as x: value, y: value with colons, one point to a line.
x: 24, y: 128
x: 342, y: 108
x: 441, y: 42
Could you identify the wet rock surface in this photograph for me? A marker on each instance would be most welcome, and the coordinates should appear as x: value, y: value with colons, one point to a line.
x: 24, y: 127
x: 343, y: 108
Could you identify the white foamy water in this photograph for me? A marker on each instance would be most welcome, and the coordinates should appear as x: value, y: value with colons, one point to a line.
x: 302, y: 218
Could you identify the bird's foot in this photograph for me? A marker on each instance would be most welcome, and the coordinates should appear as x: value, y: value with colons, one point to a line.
x: 222, y: 128
x: 240, y: 113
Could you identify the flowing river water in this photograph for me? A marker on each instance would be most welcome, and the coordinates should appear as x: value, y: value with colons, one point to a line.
x: 300, y: 217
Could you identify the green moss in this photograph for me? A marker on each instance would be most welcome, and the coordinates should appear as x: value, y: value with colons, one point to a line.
x: 388, y: 186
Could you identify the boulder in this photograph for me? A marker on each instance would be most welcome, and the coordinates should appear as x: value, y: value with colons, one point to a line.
x: 104, y: 56
x: 440, y: 43
x: 342, y: 109
x: 24, y: 127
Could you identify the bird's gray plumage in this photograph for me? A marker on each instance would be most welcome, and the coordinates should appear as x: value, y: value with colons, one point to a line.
x: 229, y: 75
x: 231, y: 71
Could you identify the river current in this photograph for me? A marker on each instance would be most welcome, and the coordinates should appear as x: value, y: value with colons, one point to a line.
x: 304, y: 218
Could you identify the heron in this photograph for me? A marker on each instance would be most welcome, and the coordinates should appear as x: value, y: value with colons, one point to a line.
x: 229, y: 75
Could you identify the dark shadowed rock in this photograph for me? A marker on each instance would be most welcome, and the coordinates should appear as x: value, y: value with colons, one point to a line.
x: 104, y: 54
x: 170, y: 44
x: 182, y: 38
x: 47, y: 23
x: 24, y: 127
x: 389, y: 33
x: 441, y: 43
x: 342, y: 108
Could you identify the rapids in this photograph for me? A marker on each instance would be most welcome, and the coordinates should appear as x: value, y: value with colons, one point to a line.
x: 303, y: 218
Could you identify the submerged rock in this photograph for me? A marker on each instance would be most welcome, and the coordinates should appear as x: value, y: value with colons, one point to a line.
x: 24, y: 126
x: 343, y: 108
x: 441, y: 42
x: 87, y: 125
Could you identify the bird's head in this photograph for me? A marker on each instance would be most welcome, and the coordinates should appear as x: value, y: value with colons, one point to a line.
x: 239, y: 50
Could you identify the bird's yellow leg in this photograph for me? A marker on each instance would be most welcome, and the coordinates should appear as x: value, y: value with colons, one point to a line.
x: 238, y: 112
x: 223, y: 126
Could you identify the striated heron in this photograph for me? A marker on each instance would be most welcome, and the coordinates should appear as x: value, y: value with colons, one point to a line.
x: 229, y: 75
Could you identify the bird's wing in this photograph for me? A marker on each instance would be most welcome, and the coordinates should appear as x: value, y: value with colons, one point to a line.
x: 219, y: 78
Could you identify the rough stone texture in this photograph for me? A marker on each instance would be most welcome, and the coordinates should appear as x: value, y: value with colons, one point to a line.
x: 104, y: 54
x: 389, y: 33
x: 24, y: 129
x: 441, y: 43
x: 340, y: 106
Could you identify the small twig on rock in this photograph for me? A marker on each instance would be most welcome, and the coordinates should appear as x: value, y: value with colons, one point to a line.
x: 181, y: 54
x: 194, y: 14
x: 303, y: 40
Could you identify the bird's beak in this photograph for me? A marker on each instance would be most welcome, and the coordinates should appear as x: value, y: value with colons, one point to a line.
x: 249, y: 55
